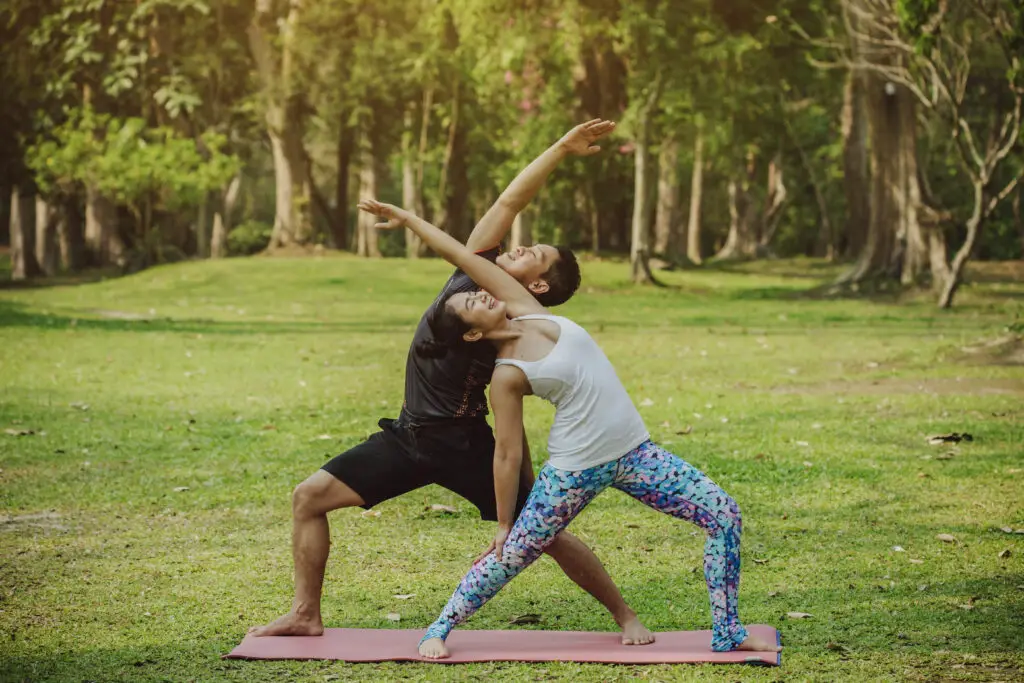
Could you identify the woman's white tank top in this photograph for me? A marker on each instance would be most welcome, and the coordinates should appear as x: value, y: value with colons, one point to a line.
x: 595, y: 419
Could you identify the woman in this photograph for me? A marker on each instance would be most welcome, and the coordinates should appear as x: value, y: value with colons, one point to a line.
x: 597, y: 440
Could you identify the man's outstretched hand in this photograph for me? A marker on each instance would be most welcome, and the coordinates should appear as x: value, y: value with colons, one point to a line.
x: 394, y: 217
x: 580, y: 140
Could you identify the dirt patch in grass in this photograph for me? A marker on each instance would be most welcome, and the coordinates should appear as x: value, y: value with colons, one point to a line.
x: 36, y: 520
x: 937, y: 387
x: 1005, y: 350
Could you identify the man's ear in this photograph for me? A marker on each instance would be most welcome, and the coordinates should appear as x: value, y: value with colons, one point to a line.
x: 538, y: 287
x: 473, y: 335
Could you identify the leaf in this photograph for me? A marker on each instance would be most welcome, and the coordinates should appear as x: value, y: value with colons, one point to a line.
x: 799, y: 615
x: 899, y: 549
x: 525, y: 619
x: 180, y: 489
x: 947, y: 538
x: 808, y: 463
x: 759, y: 561
x: 802, y: 443
x: 394, y: 616
x: 838, y: 648
x: 405, y: 596
x: 1006, y: 529
x: 646, y: 403
x: 1005, y: 554
x: 370, y: 513
x: 915, y: 561
x: 437, y: 507
x: 81, y: 406
x: 686, y: 430
x: 324, y: 437
x: 19, y: 432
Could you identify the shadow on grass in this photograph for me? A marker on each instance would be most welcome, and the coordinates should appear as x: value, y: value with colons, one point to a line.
x: 18, y: 315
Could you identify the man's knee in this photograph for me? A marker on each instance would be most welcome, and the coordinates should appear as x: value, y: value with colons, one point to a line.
x: 321, y: 493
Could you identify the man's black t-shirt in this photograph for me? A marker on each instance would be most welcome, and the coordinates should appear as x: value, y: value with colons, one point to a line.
x: 452, y: 386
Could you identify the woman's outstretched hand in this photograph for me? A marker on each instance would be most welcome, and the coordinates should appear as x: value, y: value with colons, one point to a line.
x: 580, y: 140
x: 496, y: 546
x: 394, y: 216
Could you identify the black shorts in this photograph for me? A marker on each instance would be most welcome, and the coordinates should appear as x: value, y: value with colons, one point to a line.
x: 400, y: 458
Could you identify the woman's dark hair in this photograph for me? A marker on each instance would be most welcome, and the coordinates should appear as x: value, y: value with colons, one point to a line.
x: 563, y: 279
x: 447, y: 329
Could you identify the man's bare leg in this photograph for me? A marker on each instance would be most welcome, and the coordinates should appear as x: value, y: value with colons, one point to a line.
x: 311, y: 544
x: 582, y: 566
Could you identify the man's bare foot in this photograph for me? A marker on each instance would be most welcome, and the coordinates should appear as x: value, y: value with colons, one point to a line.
x: 758, y: 645
x: 291, y: 624
x: 635, y: 633
x: 433, y: 648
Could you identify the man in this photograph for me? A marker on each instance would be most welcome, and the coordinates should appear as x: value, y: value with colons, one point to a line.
x: 441, y: 436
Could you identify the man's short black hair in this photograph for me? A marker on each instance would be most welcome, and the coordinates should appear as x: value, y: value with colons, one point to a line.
x: 563, y: 279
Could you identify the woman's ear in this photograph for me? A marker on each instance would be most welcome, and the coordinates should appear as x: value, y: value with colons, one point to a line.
x: 473, y: 335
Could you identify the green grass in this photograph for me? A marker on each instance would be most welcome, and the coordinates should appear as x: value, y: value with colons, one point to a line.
x: 237, y: 379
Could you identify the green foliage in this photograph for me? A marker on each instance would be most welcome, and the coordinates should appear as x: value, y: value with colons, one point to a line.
x: 129, y: 162
x: 250, y: 237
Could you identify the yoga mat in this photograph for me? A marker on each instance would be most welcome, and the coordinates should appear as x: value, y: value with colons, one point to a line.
x: 377, y: 645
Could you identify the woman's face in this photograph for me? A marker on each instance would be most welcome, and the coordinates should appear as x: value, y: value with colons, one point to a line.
x: 479, y: 310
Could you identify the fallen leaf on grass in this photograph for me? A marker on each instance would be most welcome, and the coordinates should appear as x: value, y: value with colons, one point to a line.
x: 370, y: 513
x: 954, y: 437
x: 772, y: 594
x: 525, y: 619
x: 394, y: 616
x: 1006, y: 529
x: 686, y: 430
x: 632, y: 526
x: 19, y: 432
x: 405, y: 596
x: 268, y: 427
x: 1005, y: 554
x: 179, y: 489
x: 899, y: 549
x: 947, y: 538
x: 324, y: 437
x: 757, y: 561
x: 799, y: 615
x: 79, y: 405
x: 837, y: 647
x: 808, y: 463
x: 646, y: 403
x: 913, y: 561
x: 437, y: 507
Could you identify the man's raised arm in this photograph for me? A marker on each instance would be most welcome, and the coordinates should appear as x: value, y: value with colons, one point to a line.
x: 497, y: 222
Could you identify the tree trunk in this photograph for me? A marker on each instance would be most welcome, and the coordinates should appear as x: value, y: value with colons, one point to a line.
x: 638, y: 246
x: 23, y: 258
x: 412, y: 240
x: 222, y: 219
x: 775, y: 201
x: 366, y: 240
x: 665, y: 237
x: 285, y: 118
x: 202, y: 235
x: 346, y: 146
x: 70, y: 238
x: 910, y: 233
x: 696, y: 192
x: 743, y: 237
x: 855, y: 165
x: 880, y: 256
x: 522, y: 230
x: 953, y: 280
x: 1018, y: 217
x: 46, y: 252
x: 103, y: 245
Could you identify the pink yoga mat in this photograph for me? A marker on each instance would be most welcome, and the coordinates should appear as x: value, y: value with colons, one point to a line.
x: 375, y: 645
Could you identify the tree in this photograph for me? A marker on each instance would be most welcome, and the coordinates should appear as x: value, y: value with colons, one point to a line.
x: 939, y: 50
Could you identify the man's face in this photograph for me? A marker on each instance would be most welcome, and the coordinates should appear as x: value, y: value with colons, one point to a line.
x: 528, y: 264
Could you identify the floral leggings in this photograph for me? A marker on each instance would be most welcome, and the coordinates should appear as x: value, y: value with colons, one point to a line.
x: 653, y: 476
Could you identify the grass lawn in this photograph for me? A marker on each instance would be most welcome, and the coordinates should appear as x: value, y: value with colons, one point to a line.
x: 146, y: 517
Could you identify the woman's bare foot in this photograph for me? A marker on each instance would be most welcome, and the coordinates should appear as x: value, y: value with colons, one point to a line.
x: 433, y: 648
x: 291, y: 624
x: 635, y: 633
x: 758, y: 645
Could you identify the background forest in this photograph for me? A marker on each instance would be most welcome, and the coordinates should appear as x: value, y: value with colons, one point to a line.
x: 883, y: 133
